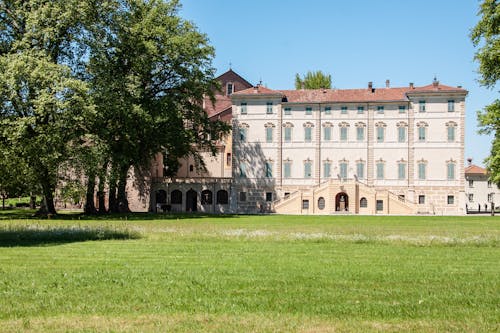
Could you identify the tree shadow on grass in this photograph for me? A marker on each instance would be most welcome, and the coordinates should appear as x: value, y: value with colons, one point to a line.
x: 22, y: 214
x: 12, y: 236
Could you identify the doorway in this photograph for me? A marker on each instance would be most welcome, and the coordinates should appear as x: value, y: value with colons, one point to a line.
x: 342, y: 202
x: 191, y: 201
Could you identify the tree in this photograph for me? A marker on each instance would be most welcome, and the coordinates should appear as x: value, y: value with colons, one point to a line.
x: 149, y: 73
x: 485, y: 35
x: 43, y: 102
x: 14, y: 178
x: 313, y: 80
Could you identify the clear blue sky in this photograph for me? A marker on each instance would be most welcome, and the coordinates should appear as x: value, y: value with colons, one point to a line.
x: 355, y: 41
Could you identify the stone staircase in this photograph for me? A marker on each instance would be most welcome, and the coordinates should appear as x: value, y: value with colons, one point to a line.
x: 323, y: 199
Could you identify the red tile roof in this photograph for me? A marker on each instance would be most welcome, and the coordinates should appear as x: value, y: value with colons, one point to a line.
x: 222, y: 103
x: 437, y: 88
x: 475, y: 170
x: 258, y: 90
x: 347, y: 95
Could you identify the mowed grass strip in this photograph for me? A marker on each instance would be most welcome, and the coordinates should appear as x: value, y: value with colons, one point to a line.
x: 248, y: 274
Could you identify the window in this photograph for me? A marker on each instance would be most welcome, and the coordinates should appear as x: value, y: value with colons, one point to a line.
x: 401, y: 171
x: 422, y: 170
x: 243, y: 169
x: 191, y: 168
x: 327, y: 133
x: 327, y: 166
x: 228, y: 159
x: 421, y: 133
x: 421, y: 199
x: 343, y: 170
x: 343, y: 110
x: 451, y: 171
x: 288, y: 111
x: 451, y: 105
x: 328, y: 110
x: 222, y: 197
x: 401, y: 134
x: 471, y: 197
x: 307, y: 134
x: 489, y: 183
x: 307, y: 169
x: 361, y: 109
x: 269, y: 134
x: 321, y: 203
x: 309, y: 111
x: 380, y: 170
x: 269, y: 107
x: 360, y: 170
x: 471, y: 183
x: 243, y: 134
x: 380, y: 134
x: 380, y: 205
x: 360, y: 133
x: 206, y: 197
x: 343, y: 132
x: 243, y: 196
x: 305, y: 204
x: 287, y: 169
x: 229, y: 89
x: 421, y: 106
x: 402, y: 109
x: 176, y: 197
x: 269, y: 170
x: 380, y: 109
x: 451, y: 200
x: 491, y: 197
x: 363, y: 203
x: 269, y: 196
x: 288, y: 134
x: 451, y: 133
x: 243, y: 108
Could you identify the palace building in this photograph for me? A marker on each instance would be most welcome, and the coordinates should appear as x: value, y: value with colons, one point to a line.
x: 389, y: 150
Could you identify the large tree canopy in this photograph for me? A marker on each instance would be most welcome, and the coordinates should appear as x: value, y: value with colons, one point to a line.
x: 100, y: 86
x: 485, y: 35
x: 313, y: 80
x: 42, y: 102
x: 149, y: 73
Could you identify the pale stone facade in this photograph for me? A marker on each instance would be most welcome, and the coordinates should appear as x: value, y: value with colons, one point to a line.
x: 402, y: 146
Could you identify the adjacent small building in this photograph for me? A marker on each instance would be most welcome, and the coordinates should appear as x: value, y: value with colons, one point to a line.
x: 480, y: 192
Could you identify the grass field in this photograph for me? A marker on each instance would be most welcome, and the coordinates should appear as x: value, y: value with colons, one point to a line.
x: 250, y: 274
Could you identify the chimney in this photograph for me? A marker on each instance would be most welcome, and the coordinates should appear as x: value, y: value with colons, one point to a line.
x: 470, y: 161
x: 435, y: 82
x: 387, y: 83
x: 411, y: 85
x: 370, y: 85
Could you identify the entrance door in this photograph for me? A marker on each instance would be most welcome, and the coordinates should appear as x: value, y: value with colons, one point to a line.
x: 342, y: 202
x: 191, y: 201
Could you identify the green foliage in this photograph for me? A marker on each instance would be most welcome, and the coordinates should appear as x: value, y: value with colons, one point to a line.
x: 259, y: 273
x: 313, y: 80
x: 486, y: 35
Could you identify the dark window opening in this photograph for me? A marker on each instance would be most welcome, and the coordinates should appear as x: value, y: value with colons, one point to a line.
x: 206, y: 197
x: 176, y: 197
x: 222, y: 197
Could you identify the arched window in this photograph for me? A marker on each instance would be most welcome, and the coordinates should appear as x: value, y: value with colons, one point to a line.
x: 206, y: 197
x: 321, y: 203
x: 161, y: 197
x: 176, y: 197
x: 222, y: 197
x: 363, y: 203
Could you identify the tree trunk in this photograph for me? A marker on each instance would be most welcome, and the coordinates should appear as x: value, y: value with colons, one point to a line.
x: 32, y: 201
x: 3, y: 202
x: 48, y: 196
x: 100, y: 189
x: 112, y: 202
x: 89, y: 198
x: 122, y: 194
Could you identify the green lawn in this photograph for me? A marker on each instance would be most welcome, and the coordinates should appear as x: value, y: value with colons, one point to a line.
x: 253, y: 274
